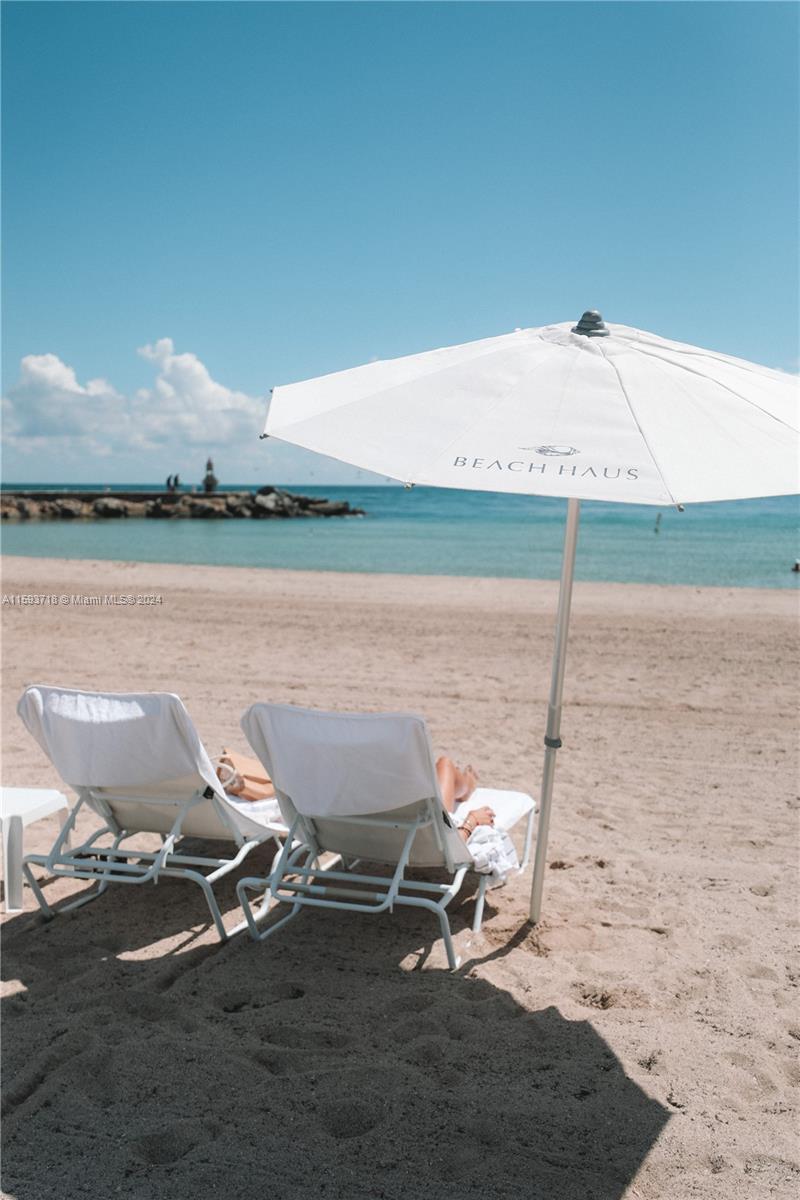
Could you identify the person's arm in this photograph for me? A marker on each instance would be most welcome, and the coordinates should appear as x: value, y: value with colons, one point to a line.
x: 478, y: 816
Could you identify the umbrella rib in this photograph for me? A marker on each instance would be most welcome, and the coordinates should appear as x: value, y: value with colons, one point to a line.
x: 385, y: 391
x: 667, y: 362
x: 624, y: 391
x: 697, y: 352
x: 482, y: 417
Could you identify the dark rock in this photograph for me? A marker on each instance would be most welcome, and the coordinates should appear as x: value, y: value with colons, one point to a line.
x: 331, y: 508
x: 271, y: 501
x: 28, y: 508
x: 237, y: 501
x: 158, y: 508
x: 267, y: 504
x: 268, y: 501
x: 207, y: 507
x: 109, y: 507
x: 70, y: 509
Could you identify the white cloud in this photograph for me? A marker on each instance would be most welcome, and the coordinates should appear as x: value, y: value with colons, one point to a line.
x: 57, y: 428
x: 187, y: 405
x: 49, y: 409
x: 47, y: 401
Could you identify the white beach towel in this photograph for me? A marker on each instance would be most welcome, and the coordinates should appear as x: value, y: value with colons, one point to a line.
x: 116, y: 739
x: 494, y: 854
x: 130, y: 740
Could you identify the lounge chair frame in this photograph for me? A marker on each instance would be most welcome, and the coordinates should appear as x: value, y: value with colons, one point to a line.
x: 292, y: 881
x: 113, y: 864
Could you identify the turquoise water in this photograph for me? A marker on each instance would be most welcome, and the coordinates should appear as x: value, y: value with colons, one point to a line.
x: 747, y: 543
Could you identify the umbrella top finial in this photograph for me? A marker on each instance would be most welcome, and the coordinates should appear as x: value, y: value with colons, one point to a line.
x: 591, y: 325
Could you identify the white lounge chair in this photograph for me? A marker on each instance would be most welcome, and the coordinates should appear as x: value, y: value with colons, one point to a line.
x: 136, y: 761
x: 364, y: 787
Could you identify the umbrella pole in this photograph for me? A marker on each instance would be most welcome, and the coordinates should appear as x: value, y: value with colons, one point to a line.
x: 552, y: 741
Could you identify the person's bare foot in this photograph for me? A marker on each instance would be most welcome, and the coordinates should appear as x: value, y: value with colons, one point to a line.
x: 466, y: 782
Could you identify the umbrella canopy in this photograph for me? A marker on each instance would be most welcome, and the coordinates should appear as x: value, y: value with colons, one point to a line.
x: 602, y: 414
x: 585, y: 412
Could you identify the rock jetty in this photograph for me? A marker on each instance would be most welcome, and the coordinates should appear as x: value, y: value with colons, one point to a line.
x: 268, y: 503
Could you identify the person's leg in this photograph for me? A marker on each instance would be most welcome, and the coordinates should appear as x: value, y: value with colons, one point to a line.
x: 455, y: 783
x: 446, y: 774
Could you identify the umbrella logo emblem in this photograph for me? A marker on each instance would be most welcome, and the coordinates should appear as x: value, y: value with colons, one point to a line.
x: 562, y: 450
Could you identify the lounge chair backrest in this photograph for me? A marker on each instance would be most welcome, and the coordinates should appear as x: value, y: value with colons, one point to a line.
x: 136, y: 754
x: 332, y: 768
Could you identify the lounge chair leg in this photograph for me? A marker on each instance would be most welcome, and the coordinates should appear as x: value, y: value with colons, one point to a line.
x: 479, y: 902
x: 251, y: 917
x: 267, y: 903
x: 453, y: 960
x: 211, y: 901
x: 526, y: 854
x: 261, y: 934
x: 104, y: 882
x: 47, y: 911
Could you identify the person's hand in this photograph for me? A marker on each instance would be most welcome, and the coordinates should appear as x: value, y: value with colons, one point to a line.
x: 478, y: 816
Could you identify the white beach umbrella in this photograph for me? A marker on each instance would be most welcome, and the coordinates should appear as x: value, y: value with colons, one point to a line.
x: 590, y: 412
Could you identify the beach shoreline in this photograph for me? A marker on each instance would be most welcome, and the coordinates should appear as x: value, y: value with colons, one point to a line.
x: 436, y: 531
x: 653, y: 1050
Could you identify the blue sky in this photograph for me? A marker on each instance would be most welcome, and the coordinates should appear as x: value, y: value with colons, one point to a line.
x: 203, y: 200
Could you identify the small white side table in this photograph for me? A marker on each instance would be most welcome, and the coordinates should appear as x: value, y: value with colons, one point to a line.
x: 18, y: 808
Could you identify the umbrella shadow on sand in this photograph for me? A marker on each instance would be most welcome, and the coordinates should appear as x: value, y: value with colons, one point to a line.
x: 308, y: 1066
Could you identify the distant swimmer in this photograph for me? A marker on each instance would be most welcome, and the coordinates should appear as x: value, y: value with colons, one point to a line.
x: 796, y: 566
x: 656, y: 527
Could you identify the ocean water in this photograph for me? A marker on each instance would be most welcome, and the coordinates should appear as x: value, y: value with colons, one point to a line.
x: 430, y: 531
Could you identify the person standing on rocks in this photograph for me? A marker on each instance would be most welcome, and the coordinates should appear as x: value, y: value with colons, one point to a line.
x: 210, y: 482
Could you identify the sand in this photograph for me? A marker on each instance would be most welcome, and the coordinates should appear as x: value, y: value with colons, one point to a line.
x: 641, y: 1042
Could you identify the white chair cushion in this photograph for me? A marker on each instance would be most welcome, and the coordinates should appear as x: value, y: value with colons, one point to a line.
x: 509, y: 807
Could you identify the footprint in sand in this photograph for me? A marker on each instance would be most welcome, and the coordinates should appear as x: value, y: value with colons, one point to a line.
x: 413, y: 1004
x: 351, y: 1118
x: 158, y: 1010
x: 277, y: 1062
x: 600, y: 997
x: 111, y: 942
x: 595, y: 997
x: 310, y: 1037
x: 759, y: 1081
x: 417, y: 1027
x: 757, y: 970
x: 43, y: 1068
x: 650, y: 1061
x: 426, y: 1052
x: 163, y: 1146
x: 237, y: 1001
